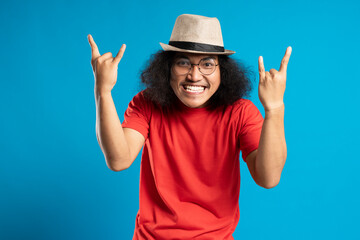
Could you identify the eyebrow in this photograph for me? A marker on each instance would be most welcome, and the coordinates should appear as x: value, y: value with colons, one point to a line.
x: 184, y: 56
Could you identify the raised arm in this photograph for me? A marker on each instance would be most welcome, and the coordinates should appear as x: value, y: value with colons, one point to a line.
x: 267, y: 162
x: 119, y: 146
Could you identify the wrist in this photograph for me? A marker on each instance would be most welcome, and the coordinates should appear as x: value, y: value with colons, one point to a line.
x: 275, y: 111
x: 101, y: 92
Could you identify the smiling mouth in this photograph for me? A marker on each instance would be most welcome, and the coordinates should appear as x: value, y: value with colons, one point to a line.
x: 194, y: 89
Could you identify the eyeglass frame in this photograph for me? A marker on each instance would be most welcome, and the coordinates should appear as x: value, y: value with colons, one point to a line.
x: 193, y: 64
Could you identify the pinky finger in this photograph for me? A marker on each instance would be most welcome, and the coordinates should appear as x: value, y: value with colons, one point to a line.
x: 261, y: 69
x: 120, y: 54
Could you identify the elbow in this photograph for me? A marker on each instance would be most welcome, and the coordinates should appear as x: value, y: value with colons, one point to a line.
x: 271, y: 183
x: 272, y: 178
x: 117, y: 166
x: 117, y: 169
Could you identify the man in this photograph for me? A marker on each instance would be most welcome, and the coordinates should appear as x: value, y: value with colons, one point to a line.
x: 193, y: 123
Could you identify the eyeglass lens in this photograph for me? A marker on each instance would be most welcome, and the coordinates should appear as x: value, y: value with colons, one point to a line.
x: 183, y: 66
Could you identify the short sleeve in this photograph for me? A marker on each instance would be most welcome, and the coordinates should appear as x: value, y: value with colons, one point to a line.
x: 137, y: 115
x: 250, y: 126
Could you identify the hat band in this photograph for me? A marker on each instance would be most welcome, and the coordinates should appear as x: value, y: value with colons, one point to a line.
x: 196, y: 46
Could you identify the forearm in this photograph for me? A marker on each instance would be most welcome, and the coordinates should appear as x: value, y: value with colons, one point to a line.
x: 109, y: 132
x: 272, y: 149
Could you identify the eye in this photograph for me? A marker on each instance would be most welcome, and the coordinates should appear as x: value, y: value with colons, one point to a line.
x: 182, y: 63
x: 208, y: 63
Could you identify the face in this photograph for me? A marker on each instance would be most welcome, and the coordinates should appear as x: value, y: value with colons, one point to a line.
x: 195, y: 89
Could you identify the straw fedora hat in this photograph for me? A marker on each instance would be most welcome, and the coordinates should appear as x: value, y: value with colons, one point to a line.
x: 196, y: 34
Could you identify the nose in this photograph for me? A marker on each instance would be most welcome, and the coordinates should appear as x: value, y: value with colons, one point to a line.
x: 194, y: 74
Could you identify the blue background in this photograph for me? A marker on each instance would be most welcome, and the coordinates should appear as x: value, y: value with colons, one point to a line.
x: 54, y: 182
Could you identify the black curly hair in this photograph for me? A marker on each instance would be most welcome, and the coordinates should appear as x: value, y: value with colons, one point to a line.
x: 235, y: 80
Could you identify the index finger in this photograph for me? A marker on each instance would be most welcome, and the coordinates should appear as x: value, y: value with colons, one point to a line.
x: 285, y: 60
x: 94, y: 49
x: 261, y: 68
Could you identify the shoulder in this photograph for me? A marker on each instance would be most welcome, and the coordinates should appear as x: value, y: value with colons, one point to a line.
x: 140, y: 99
x: 245, y: 112
x: 140, y: 105
x: 143, y: 104
x: 242, y: 101
x: 144, y: 98
x: 244, y: 105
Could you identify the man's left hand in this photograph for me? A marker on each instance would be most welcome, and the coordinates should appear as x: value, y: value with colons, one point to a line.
x: 272, y: 83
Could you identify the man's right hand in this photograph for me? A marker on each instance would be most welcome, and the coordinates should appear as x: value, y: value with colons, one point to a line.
x: 104, y: 67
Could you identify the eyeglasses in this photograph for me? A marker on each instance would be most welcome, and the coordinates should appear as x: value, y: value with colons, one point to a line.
x: 206, y: 66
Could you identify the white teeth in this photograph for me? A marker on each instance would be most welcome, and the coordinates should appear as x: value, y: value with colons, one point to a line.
x: 194, y: 88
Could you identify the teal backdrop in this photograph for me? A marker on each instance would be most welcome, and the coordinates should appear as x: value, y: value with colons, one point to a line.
x: 54, y: 182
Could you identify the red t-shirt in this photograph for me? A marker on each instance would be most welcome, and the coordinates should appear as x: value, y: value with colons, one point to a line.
x: 190, y: 176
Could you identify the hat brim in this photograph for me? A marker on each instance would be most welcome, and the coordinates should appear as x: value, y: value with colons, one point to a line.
x: 167, y: 47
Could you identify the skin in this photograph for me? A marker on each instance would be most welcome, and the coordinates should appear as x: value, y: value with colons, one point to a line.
x: 121, y: 145
x: 267, y: 162
x: 195, y: 78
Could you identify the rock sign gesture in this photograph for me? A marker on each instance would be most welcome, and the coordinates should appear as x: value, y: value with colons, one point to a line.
x: 272, y: 83
x: 104, y: 67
